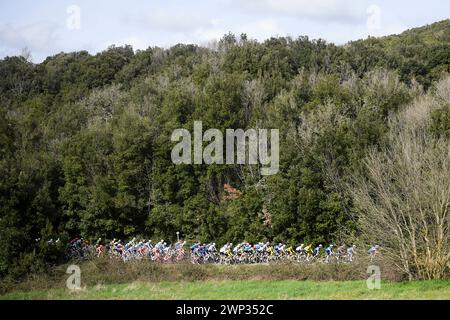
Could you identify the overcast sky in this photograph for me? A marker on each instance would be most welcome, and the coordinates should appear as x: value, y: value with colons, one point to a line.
x: 47, y: 27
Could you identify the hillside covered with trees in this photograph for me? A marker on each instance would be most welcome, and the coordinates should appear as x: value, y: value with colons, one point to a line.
x: 85, y: 143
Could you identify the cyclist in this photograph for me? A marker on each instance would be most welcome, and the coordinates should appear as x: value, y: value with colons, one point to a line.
x: 329, y: 252
x: 229, y: 251
x: 341, y: 250
x: 112, y: 243
x: 282, y: 248
x: 309, y: 249
x: 373, y: 251
x: 261, y: 247
x: 160, y: 246
x: 211, y: 247
x: 316, y: 251
x: 237, y: 248
x: 257, y: 247
x: 194, y: 246
x: 179, y: 245
x: 99, y: 248
x: 202, y: 250
x: 247, y: 248
x: 118, y: 248
x: 270, y: 249
x: 350, y: 252
x: 290, y: 251
x: 276, y: 248
x: 240, y: 247
x: 223, y: 248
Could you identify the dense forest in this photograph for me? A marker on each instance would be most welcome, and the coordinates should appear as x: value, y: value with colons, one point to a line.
x: 85, y: 139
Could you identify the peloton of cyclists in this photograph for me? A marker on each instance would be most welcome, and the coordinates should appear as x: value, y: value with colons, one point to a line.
x: 207, y: 252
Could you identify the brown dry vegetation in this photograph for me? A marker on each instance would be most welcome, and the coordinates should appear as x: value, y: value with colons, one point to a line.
x: 111, y: 271
x: 403, y: 199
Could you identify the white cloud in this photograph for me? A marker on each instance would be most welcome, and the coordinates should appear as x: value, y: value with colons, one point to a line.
x: 263, y: 29
x: 37, y: 36
x: 259, y: 29
x: 138, y: 43
x: 205, y: 35
x: 173, y: 21
x: 346, y: 11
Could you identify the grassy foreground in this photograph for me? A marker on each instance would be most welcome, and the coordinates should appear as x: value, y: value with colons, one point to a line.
x: 252, y: 289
